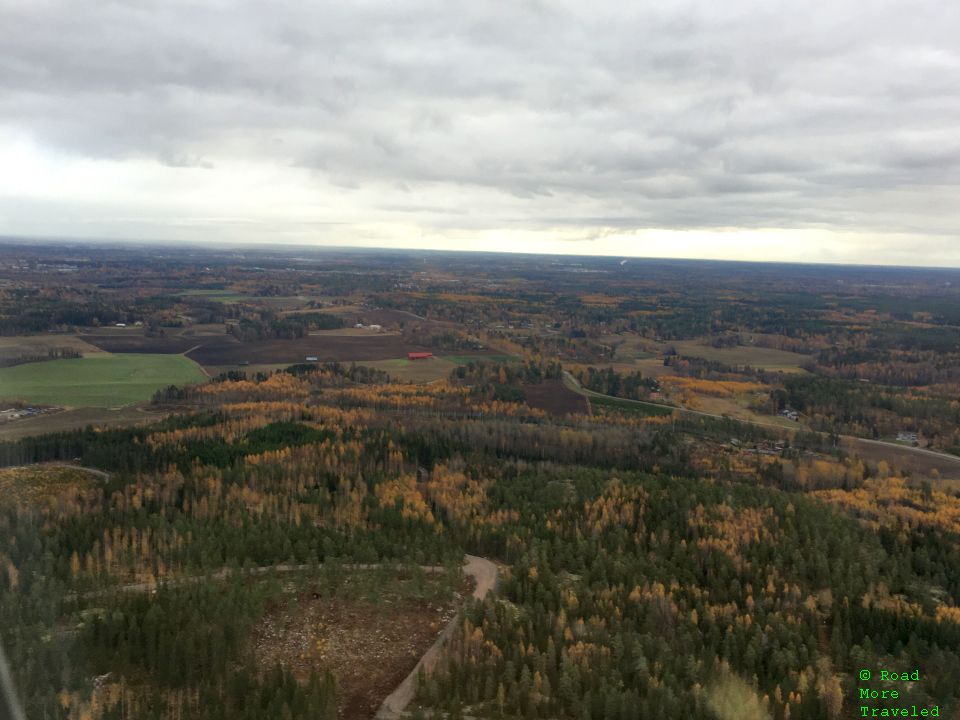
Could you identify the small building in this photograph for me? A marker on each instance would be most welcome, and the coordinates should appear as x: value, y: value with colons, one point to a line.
x: 419, y: 355
x: 376, y: 328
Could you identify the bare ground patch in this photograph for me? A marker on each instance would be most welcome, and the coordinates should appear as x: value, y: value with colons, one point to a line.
x: 553, y: 397
x: 369, y: 644
x: 137, y: 342
x: 225, y: 349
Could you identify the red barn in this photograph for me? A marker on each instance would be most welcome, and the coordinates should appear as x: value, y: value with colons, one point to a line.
x: 419, y: 355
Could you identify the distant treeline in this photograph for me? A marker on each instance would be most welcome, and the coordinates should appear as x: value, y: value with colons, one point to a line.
x: 608, y: 381
x: 290, y: 327
x: 51, y: 354
x: 27, y: 317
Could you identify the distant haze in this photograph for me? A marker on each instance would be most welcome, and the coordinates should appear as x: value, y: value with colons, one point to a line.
x: 744, y: 129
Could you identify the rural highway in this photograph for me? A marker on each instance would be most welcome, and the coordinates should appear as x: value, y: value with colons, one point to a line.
x: 572, y: 383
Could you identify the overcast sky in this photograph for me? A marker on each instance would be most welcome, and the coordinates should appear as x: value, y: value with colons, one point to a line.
x: 758, y: 129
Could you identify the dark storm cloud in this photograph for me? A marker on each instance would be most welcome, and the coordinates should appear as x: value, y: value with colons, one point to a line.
x: 687, y: 114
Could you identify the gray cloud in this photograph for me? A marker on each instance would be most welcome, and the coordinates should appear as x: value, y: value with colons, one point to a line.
x: 685, y: 114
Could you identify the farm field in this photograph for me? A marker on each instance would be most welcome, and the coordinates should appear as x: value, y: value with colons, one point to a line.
x: 905, y: 459
x: 200, y: 329
x: 736, y: 408
x: 226, y: 350
x: 232, y: 296
x: 555, y: 398
x: 20, y: 345
x: 435, y: 368
x: 629, y: 347
x: 757, y: 357
x: 136, y: 342
x: 650, y: 367
x: 642, y: 352
x: 97, y: 381
x: 415, y: 371
x: 79, y: 418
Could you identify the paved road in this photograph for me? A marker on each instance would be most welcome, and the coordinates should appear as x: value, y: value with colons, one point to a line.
x: 949, y: 460
x: 485, y: 575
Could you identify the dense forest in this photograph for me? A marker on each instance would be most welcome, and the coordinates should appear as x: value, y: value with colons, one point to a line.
x: 636, y: 584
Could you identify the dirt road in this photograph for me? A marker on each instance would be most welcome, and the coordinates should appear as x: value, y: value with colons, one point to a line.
x: 485, y: 575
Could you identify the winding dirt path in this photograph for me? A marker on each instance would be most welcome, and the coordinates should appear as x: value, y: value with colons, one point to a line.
x: 485, y: 574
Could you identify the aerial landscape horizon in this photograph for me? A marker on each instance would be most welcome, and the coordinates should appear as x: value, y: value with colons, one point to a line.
x: 362, y: 483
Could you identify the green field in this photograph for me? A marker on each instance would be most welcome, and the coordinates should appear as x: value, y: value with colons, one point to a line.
x: 415, y: 371
x: 467, y: 359
x: 96, y: 381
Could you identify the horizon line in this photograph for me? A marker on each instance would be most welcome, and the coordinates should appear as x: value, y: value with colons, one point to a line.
x: 237, y: 245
